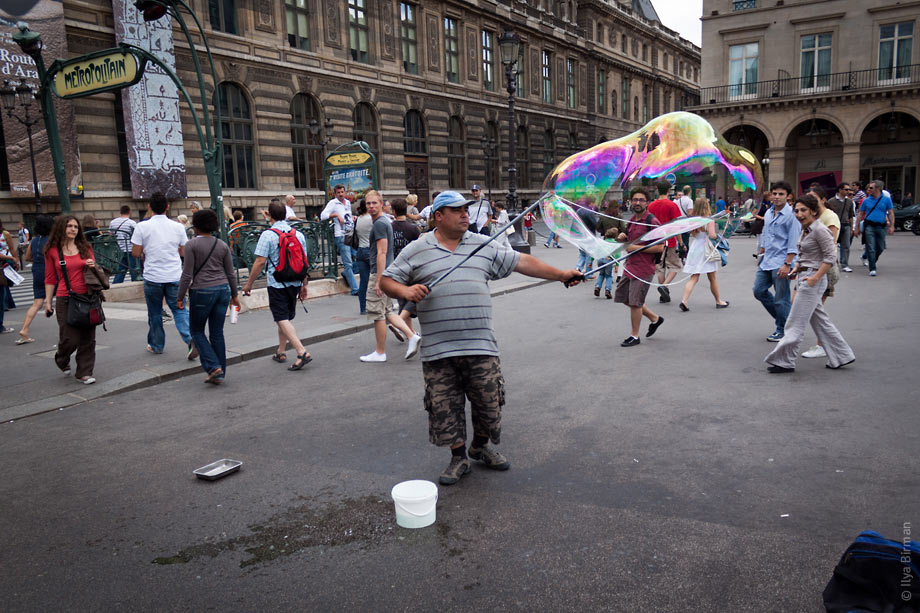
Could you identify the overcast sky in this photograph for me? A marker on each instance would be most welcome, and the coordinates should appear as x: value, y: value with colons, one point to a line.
x: 683, y: 16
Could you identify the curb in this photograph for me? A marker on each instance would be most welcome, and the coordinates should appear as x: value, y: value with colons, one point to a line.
x: 149, y: 377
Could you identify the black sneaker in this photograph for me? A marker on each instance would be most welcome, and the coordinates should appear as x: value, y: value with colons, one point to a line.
x: 653, y: 327
x: 597, y: 291
x: 665, y: 294
x: 455, y: 470
x: 631, y: 341
x: 490, y: 458
x: 779, y: 369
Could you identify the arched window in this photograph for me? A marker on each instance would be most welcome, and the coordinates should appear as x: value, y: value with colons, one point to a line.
x: 366, y: 127
x: 236, y: 135
x: 613, y: 102
x: 456, y: 153
x: 306, y: 148
x: 414, y: 142
x: 522, y: 157
x: 549, y: 152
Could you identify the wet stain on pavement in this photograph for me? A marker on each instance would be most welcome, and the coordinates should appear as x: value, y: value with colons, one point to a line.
x: 367, y: 520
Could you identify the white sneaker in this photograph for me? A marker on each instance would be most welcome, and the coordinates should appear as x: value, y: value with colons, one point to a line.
x: 865, y: 262
x: 872, y: 273
x: 373, y: 356
x: 847, y: 269
x: 414, y: 343
x: 87, y: 381
x: 815, y: 352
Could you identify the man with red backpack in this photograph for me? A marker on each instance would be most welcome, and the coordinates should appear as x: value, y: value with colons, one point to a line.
x: 284, y: 251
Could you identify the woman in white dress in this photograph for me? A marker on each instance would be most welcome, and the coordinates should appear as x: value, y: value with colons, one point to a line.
x: 696, y: 263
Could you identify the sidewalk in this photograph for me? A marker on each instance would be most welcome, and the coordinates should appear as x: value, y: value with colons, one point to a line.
x: 32, y: 384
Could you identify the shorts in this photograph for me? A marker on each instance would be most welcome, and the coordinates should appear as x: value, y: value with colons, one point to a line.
x: 833, y: 275
x: 378, y: 307
x: 670, y: 260
x: 631, y: 291
x: 406, y: 305
x: 449, y: 382
x: 282, y: 302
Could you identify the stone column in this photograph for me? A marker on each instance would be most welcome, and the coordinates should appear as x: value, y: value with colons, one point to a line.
x: 851, y: 161
x: 777, y: 168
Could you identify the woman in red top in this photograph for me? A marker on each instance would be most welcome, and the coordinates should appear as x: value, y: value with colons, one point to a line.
x: 67, y: 239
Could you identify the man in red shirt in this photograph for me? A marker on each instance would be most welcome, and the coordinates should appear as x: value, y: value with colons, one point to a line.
x: 639, y: 268
x: 666, y: 211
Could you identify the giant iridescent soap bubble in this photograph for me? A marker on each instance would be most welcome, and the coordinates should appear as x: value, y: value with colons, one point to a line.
x: 681, y: 143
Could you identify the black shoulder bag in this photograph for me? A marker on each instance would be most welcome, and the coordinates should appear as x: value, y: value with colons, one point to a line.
x: 83, y: 310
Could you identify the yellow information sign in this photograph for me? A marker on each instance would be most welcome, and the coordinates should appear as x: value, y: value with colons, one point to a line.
x: 348, y: 159
x: 102, y: 73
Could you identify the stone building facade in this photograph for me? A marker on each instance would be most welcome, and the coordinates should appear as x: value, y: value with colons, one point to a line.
x: 825, y: 91
x: 421, y: 83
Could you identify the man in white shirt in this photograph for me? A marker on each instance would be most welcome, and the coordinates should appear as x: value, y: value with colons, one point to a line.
x: 339, y: 210
x: 480, y: 212
x: 685, y: 202
x: 122, y: 228
x: 160, y: 241
x: 289, y: 213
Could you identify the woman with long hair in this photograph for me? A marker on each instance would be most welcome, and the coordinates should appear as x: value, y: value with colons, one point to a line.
x: 697, y: 262
x: 363, y: 225
x: 67, y: 242
x: 210, y: 279
x: 817, y: 254
x: 35, y: 253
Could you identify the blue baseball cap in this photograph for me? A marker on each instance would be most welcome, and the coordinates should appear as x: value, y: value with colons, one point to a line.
x: 450, y: 199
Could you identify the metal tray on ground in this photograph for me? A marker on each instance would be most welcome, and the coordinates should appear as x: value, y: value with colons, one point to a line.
x: 218, y: 469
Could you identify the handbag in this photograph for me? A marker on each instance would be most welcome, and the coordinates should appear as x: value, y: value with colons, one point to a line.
x: 83, y: 310
x: 712, y: 254
x: 352, y: 239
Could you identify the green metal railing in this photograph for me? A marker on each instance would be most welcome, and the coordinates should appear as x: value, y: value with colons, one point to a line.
x: 322, y: 255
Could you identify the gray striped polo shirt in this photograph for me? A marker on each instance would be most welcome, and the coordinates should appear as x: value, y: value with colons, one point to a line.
x: 456, y: 317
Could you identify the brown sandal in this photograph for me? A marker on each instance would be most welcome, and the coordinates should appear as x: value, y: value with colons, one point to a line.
x: 280, y: 358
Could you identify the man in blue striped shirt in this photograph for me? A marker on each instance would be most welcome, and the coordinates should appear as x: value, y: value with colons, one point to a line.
x: 460, y: 357
x: 778, y: 248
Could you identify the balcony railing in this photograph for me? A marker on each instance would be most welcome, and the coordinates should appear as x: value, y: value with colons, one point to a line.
x: 823, y: 84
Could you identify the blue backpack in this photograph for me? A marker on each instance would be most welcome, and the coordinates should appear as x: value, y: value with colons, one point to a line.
x: 876, y: 574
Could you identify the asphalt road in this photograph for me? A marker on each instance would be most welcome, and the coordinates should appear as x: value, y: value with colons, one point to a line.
x: 674, y: 476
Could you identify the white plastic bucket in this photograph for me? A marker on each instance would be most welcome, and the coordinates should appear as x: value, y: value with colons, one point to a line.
x: 416, y: 503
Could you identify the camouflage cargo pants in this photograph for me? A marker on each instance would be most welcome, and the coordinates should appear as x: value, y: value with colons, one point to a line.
x: 449, y: 382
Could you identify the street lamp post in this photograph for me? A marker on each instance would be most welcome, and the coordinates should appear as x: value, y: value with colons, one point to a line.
x: 510, y: 45
x: 31, y: 44
x: 488, y: 146
x: 22, y: 95
x: 324, y: 142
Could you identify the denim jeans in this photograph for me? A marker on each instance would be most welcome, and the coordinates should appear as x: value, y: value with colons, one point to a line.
x: 128, y: 263
x: 584, y: 261
x: 844, y: 238
x: 776, y: 303
x: 154, y: 294
x: 605, y: 274
x: 550, y: 238
x: 363, y: 266
x: 345, y: 254
x: 875, y: 243
x: 209, y: 306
